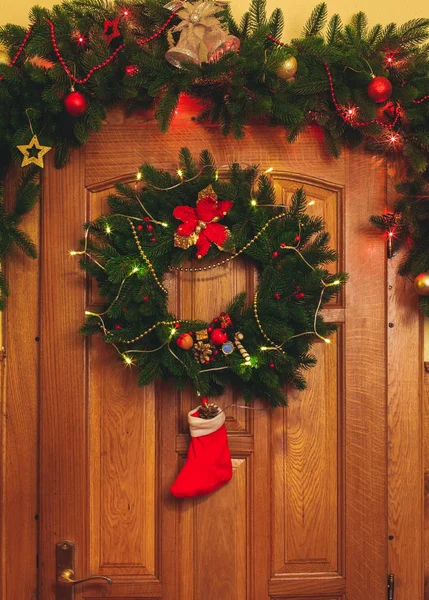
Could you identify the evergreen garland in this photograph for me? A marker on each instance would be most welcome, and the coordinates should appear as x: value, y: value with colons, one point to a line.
x: 288, y: 248
x: 236, y: 89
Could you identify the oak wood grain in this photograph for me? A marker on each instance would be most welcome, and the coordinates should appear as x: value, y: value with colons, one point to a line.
x: 405, y: 427
x: 19, y: 382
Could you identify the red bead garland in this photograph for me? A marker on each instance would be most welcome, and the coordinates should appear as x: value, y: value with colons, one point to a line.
x: 346, y: 115
x: 21, y: 48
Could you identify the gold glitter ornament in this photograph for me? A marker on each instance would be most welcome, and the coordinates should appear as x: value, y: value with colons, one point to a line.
x: 287, y: 70
x: 421, y: 284
x: 33, y: 153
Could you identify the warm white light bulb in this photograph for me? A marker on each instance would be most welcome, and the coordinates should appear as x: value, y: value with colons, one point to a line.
x: 164, y: 224
x: 127, y: 360
x: 327, y: 340
x: 139, y: 176
x: 108, y: 229
x: 337, y: 282
x: 311, y: 203
x: 253, y: 202
x: 180, y: 173
x: 269, y: 170
x: 263, y: 348
x: 134, y: 270
x: 73, y: 252
x: 173, y: 331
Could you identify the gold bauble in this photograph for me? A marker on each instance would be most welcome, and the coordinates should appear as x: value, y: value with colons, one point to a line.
x: 4, y: 56
x: 288, y: 68
x: 421, y: 284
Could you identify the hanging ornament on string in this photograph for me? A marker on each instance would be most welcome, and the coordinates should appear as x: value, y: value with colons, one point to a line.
x: 288, y: 68
x: 75, y: 104
x: 202, y: 38
x: 421, y: 284
x: 34, y: 151
x: 111, y: 30
x: 379, y: 89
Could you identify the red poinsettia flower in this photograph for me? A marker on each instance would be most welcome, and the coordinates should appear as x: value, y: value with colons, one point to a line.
x: 200, y: 225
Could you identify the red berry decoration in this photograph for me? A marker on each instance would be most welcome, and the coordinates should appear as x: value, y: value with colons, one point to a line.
x: 139, y: 227
x: 177, y: 325
x: 277, y: 296
x: 185, y: 341
x: 117, y: 326
x: 218, y: 337
x: 145, y: 298
x: 153, y: 240
x: 209, y: 329
x: 297, y: 238
x: 282, y: 245
x: 216, y: 320
x: 275, y: 254
x: 146, y: 219
x: 379, y: 89
x: 149, y: 227
x: 75, y: 104
x: 272, y: 365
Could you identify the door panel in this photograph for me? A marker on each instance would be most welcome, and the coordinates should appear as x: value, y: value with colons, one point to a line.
x: 304, y: 515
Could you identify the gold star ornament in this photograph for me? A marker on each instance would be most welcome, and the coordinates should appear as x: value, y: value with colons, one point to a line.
x: 33, y: 153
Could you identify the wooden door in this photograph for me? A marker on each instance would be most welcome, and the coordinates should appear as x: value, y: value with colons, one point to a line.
x: 304, y: 516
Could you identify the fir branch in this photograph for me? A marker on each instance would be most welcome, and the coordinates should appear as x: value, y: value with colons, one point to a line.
x: 317, y: 20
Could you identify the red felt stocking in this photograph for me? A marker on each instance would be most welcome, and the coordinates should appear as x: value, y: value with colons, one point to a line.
x: 208, y: 466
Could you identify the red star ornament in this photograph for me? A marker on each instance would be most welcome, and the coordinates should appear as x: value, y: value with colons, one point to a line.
x: 111, y: 30
x: 200, y: 225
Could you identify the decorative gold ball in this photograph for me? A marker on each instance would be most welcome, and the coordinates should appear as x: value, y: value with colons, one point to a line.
x: 4, y: 56
x: 421, y: 284
x: 288, y: 68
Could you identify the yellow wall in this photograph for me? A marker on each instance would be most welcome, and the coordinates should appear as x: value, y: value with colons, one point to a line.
x: 383, y: 11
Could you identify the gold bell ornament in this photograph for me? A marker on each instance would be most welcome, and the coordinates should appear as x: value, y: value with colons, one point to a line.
x: 202, y: 38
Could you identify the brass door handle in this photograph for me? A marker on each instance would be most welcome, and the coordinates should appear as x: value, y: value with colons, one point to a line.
x: 67, y: 575
x: 65, y: 551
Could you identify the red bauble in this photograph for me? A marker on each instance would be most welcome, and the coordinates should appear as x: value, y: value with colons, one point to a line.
x: 379, y: 89
x: 76, y: 104
x: 185, y: 341
x: 218, y: 337
x: 386, y: 114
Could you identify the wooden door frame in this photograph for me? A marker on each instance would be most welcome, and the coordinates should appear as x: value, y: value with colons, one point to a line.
x: 19, y: 374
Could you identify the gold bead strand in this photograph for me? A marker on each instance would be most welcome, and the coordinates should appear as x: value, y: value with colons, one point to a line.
x: 145, y: 258
x: 255, y: 312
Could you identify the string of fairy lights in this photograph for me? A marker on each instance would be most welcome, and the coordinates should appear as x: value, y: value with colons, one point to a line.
x: 175, y: 325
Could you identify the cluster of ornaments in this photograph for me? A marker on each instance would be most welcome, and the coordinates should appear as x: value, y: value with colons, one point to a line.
x: 207, y: 344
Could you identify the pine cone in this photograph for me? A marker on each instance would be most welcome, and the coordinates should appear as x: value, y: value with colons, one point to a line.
x: 209, y: 411
x: 202, y: 352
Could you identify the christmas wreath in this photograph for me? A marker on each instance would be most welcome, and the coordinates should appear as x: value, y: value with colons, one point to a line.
x: 194, y: 221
